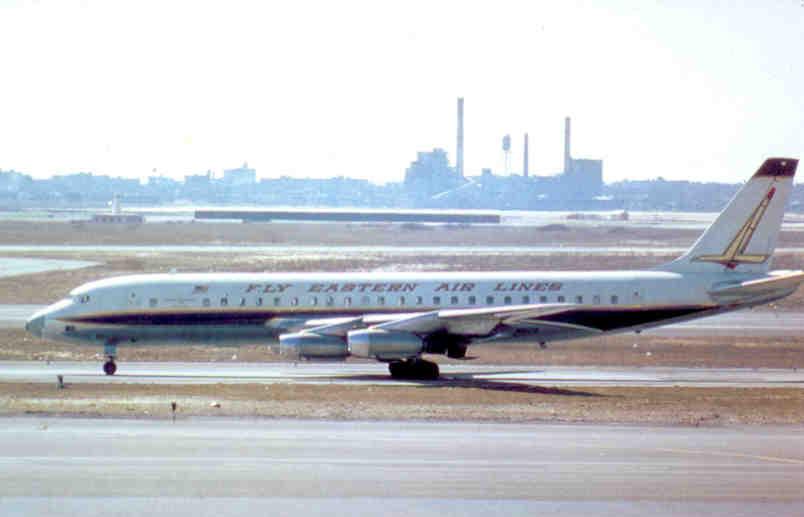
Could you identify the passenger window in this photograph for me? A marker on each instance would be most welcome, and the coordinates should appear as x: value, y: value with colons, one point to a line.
x: 542, y: 299
x: 381, y: 300
x: 366, y: 300
x: 507, y: 300
x: 347, y: 302
x: 401, y: 300
x: 314, y: 300
x: 152, y: 302
x: 436, y: 300
x: 561, y: 299
x: 472, y: 300
x: 419, y: 300
x: 454, y: 300
x: 489, y: 300
x: 294, y: 301
x: 224, y: 302
x: 596, y: 299
x: 579, y: 299
x: 614, y: 299
x: 526, y: 300
x: 206, y: 302
x: 277, y: 301
x: 330, y: 301
x: 259, y: 302
x: 242, y: 302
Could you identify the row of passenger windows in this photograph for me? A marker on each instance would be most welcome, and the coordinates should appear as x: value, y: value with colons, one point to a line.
x: 347, y: 301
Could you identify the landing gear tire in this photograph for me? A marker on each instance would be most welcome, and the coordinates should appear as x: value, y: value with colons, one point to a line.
x: 110, y: 351
x: 109, y: 367
x: 418, y: 369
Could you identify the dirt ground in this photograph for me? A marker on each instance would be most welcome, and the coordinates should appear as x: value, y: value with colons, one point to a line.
x: 427, y: 401
x: 316, y: 234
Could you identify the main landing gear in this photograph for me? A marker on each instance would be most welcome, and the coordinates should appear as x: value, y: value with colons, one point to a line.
x: 416, y: 368
x: 110, y: 351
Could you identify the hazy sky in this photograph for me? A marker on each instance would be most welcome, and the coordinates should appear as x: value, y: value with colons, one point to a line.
x: 322, y: 88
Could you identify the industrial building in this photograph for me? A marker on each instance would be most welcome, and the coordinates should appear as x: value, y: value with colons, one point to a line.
x: 430, y: 181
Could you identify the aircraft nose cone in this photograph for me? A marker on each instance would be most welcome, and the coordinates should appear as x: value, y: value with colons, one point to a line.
x: 36, y: 325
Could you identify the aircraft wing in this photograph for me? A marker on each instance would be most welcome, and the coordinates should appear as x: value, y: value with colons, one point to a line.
x: 470, y: 322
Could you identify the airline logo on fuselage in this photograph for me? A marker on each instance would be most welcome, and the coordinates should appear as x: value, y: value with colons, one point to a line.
x: 734, y: 253
x: 392, y: 287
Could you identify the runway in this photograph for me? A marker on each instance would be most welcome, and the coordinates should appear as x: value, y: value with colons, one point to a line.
x: 202, y: 467
x: 377, y: 374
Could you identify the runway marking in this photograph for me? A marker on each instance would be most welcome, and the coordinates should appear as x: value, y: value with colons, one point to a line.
x: 771, y: 459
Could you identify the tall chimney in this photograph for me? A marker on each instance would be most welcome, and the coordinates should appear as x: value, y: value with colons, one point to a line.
x: 459, y: 151
x: 567, y: 156
x: 525, y: 158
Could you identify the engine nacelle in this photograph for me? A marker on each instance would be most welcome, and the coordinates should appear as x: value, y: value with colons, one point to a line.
x: 384, y: 345
x: 309, y: 345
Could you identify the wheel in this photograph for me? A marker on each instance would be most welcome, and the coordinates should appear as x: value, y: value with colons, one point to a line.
x: 414, y: 369
x: 398, y: 369
x: 428, y: 371
x: 424, y: 370
x: 109, y: 367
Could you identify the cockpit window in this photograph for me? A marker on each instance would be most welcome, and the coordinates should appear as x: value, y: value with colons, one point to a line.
x: 84, y: 298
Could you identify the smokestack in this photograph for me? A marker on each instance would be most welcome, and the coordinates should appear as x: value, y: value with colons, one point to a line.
x: 525, y: 158
x: 459, y: 152
x: 567, y: 156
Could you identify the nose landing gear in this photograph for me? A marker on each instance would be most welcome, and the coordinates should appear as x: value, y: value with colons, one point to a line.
x: 110, y: 351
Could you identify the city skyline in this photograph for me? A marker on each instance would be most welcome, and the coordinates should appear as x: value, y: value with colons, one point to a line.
x: 356, y: 89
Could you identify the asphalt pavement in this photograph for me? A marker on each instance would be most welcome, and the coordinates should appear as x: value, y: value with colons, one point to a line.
x: 377, y: 374
x: 197, y: 466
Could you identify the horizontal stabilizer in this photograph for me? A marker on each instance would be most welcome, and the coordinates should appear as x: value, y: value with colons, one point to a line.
x: 777, y: 282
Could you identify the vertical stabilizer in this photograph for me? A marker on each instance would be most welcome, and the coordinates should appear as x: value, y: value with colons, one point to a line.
x: 744, y: 235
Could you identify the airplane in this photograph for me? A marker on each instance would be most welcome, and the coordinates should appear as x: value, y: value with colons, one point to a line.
x: 396, y: 318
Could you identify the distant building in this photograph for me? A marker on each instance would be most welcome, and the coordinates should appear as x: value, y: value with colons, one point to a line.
x: 242, y: 176
x: 584, y: 180
x: 431, y: 174
x: 117, y: 216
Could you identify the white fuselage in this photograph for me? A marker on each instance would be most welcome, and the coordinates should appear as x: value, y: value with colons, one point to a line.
x: 244, y: 307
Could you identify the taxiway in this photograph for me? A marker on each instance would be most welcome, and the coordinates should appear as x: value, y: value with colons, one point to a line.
x: 376, y: 373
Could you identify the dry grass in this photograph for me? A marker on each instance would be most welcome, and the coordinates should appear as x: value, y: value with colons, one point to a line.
x: 468, y: 400
x: 316, y: 234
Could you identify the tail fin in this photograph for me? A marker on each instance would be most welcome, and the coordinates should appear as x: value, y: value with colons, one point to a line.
x: 744, y: 235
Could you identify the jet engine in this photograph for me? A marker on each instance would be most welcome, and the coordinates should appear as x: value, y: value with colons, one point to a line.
x: 309, y: 345
x: 384, y: 345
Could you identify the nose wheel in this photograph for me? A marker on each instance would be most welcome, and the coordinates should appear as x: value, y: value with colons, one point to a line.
x: 110, y: 350
x: 109, y: 367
